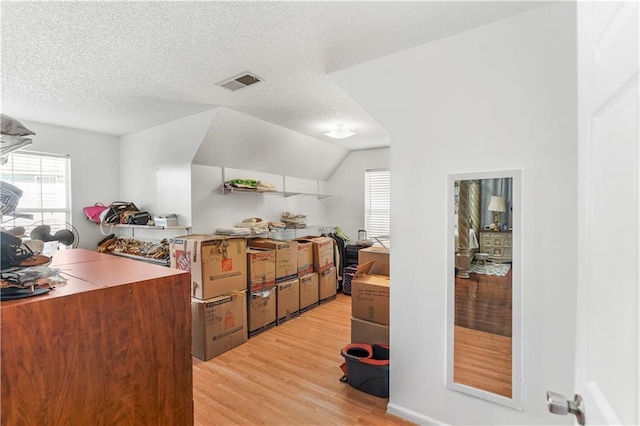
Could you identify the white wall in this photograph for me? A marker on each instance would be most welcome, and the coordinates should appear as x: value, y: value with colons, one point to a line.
x: 153, y: 169
x: 211, y: 209
x: 347, y: 183
x: 499, y: 97
x: 95, y: 170
x: 158, y: 175
x: 156, y: 165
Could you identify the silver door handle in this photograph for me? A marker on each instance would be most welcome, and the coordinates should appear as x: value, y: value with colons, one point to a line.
x: 558, y: 404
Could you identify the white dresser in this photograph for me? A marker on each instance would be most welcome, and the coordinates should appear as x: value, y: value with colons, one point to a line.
x: 499, y: 245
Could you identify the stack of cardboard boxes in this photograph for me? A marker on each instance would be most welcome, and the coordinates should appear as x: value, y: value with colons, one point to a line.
x: 370, y: 299
x: 218, y: 267
x: 266, y: 305
x: 323, y: 267
x: 242, y: 287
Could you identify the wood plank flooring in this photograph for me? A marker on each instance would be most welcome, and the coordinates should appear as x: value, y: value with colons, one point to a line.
x: 483, y: 361
x: 484, y: 302
x: 483, y: 325
x: 287, y: 375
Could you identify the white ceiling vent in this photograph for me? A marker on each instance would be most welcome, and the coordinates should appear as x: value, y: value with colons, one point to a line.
x: 243, y: 80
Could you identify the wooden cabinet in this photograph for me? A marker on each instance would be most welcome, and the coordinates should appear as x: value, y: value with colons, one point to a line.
x: 499, y: 245
x: 111, y: 346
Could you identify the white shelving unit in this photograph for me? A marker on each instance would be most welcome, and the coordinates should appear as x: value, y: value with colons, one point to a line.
x: 161, y: 230
x: 293, y: 233
x: 283, y: 191
x: 141, y: 258
x: 152, y: 228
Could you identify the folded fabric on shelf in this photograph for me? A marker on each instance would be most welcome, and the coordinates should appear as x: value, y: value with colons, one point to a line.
x: 233, y: 231
x: 255, y: 224
x: 265, y: 187
x: 294, y: 220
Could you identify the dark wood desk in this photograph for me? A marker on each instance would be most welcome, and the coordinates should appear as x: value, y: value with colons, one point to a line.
x: 111, y: 346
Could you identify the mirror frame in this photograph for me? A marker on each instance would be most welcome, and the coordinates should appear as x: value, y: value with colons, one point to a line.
x: 516, y: 364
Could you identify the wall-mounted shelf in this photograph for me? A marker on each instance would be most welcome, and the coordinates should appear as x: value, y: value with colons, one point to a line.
x: 226, y: 190
x: 283, y: 191
x: 152, y: 228
x: 183, y: 227
x: 160, y: 262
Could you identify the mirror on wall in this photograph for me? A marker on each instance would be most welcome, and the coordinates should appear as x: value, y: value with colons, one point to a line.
x: 484, y: 286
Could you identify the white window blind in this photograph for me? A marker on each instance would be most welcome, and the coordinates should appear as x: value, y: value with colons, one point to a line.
x: 44, y: 180
x: 377, y: 202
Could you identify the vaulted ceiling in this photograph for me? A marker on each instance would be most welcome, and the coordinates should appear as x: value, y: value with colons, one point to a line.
x: 119, y: 67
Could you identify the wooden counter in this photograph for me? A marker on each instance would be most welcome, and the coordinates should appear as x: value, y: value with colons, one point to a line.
x: 111, y: 346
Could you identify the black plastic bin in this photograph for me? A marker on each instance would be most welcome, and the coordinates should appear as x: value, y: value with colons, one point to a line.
x: 367, y: 368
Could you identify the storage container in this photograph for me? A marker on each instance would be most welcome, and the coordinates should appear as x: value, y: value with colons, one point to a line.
x: 367, y: 368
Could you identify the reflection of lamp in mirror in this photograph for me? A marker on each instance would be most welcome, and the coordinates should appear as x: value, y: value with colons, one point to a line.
x: 497, y: 206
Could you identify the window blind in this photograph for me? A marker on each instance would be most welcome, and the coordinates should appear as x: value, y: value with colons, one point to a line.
x: 44, y: 180
x: 377, y: 202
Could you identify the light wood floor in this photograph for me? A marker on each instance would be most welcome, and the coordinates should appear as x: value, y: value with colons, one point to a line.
x: 288, y: 375
x: 482, y: 342
x: 482, y: 360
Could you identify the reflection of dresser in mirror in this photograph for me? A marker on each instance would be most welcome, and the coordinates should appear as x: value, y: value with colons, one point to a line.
x: 498, y: 245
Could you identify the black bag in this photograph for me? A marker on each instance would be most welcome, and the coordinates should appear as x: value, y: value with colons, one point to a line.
x: 139, y: 218
x: 116, y: 209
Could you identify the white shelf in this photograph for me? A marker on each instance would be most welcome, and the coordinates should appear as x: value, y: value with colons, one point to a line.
x: 152, y: 227
x: 160, y: 262
x: 133, y: 228
x: 224, y: 190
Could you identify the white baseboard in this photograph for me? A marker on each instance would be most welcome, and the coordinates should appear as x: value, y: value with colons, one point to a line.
x: 412, y: 416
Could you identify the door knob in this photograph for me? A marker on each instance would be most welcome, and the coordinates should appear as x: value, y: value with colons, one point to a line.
x: 558, y: 404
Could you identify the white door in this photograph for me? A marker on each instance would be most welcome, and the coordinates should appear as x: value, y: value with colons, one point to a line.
x: 608, y: 325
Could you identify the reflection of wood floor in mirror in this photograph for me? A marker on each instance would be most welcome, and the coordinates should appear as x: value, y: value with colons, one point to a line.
x: 482, y: 360
x: 483, y: 302
x: 482, y: 342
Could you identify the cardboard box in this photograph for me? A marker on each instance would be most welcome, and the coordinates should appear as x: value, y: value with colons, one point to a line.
x: 322, y: 252
x: 287, y: 300
x: 261, y: 269
x: 305, y: 257
x: 218, y: 264
x: 327, y: 285
x: 378, y: 254
x: 370, y: 298
x: 262, y: 311
x: 286, y: 256
x: 218, y: 324
x: 308, y: 292
x: 368, y: 332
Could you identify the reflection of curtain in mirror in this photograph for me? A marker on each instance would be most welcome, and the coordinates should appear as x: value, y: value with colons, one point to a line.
x: 502, y: 187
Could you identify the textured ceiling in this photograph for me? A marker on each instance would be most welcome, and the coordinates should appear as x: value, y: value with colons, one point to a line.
x: 119, y: 67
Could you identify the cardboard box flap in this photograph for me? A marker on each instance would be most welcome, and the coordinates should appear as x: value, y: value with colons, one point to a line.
x: 364, y: 269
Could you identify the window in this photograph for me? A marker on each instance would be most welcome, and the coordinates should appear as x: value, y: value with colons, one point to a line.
x: 377, y: 202
x: 44, y: 181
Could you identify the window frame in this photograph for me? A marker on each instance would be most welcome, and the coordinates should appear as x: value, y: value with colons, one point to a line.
x: 376, y: 230
x: 37, y: 214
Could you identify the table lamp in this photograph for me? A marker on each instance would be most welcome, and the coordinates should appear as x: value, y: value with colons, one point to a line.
x: 497, y: 206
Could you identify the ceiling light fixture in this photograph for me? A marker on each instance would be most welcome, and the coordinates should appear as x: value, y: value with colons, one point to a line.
x: 340, y: 132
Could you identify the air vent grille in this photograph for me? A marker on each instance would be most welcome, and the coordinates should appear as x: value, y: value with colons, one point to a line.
x: 243, y: 80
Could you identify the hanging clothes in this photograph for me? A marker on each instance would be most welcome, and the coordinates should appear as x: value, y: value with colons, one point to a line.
x: 339, y: 254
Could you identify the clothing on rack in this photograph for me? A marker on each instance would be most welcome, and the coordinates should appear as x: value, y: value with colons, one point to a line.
x: 339, y: 253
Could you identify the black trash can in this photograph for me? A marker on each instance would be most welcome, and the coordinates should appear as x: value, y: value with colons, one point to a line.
x: 367, y: 368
